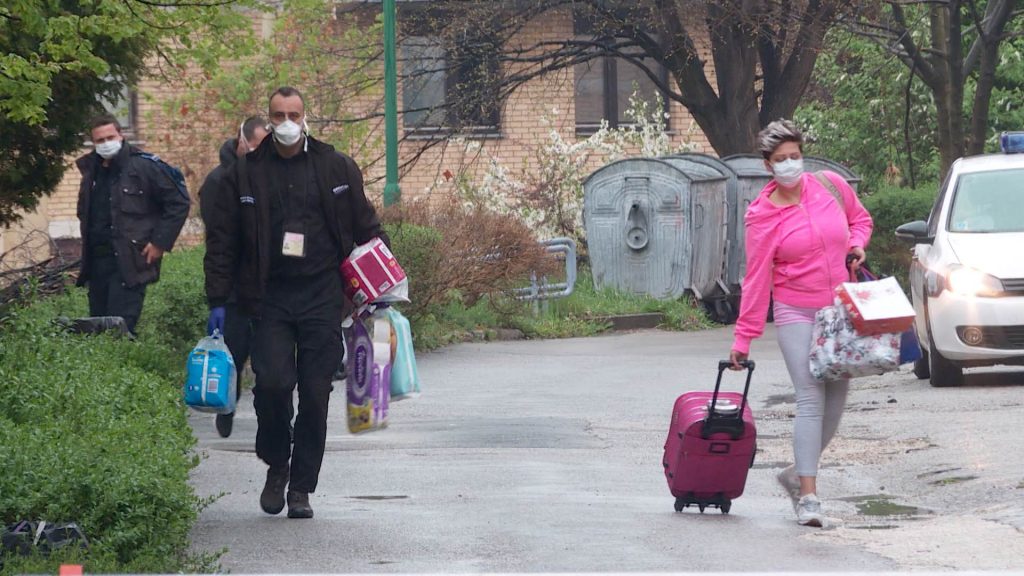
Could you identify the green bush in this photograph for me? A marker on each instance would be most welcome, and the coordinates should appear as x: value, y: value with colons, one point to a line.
x: 175, y: 312
x: 93, y: 430
x: 417, y: 249
x: 890, y: 207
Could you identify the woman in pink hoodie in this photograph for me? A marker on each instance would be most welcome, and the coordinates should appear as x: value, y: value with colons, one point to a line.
x: 798, y: 235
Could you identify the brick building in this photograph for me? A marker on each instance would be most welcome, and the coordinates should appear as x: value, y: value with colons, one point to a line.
x: 571, y: 101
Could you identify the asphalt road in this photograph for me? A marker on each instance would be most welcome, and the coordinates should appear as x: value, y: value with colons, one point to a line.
x: 545, y: 456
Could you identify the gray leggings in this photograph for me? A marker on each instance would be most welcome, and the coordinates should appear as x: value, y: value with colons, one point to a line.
x: 819, y: 406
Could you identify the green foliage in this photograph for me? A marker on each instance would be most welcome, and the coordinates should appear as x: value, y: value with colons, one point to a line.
x: 588, y: 306
x: 855, y: 113
x: 418, y: 248
x: 891, y: 207
x: 176, y: 311
x: 1006, y: 111
x: 316, y: 47
x: 856, y: 110
x: 93, y: 430
x: 60, y: 60
x: 584, y: 313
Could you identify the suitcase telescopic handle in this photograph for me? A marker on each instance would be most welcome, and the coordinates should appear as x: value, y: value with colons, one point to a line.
x: 724, y: 365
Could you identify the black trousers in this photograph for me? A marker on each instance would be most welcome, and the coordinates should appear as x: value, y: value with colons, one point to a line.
x: 297, y: 342
x: 108, y: 295
x: 238, y: 335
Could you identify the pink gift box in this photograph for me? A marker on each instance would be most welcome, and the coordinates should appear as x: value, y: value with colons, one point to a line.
x: 877, y: 307
x: 370, y: 272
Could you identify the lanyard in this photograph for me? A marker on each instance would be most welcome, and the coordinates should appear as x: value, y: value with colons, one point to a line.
x: 294, y: 221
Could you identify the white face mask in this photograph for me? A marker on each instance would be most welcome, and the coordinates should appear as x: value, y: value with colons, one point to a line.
x: 108, y: 149
x: 287, y: 133
x: 788, y: 172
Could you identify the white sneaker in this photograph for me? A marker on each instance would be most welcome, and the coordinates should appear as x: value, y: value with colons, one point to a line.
x: 790, y: 483
x: 808, y: 511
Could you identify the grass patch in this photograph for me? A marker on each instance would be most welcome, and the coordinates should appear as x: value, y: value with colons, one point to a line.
x: 583, y: 313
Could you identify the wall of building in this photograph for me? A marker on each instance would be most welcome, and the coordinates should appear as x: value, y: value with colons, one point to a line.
x: 189, y: 138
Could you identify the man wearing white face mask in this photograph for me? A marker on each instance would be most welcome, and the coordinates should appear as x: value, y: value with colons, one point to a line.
x: 799, y: 231
x: 131, y: 212
x: 294, y: 210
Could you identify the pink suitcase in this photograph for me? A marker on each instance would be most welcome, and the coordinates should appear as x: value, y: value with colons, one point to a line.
x: 710, y: 446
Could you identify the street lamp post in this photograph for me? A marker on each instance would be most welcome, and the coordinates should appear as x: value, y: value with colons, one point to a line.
x: 392, y: 192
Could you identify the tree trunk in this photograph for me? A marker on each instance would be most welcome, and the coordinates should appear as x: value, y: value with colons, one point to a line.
x: 990, y: 36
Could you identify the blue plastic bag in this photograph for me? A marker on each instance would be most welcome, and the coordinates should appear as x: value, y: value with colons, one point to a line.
x: 910, y: 348
x: 210, y: 385
x: 405, y: 378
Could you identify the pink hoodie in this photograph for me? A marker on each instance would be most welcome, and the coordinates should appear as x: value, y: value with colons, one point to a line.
x: 798, y: 252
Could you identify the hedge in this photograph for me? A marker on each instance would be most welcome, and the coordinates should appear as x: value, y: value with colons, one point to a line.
x: 93, y: 431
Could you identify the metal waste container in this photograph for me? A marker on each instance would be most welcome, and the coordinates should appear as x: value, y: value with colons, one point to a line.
x: 710, y: 223
x: 816, y: 163
x: 751, y: 177
x: 640, y: 217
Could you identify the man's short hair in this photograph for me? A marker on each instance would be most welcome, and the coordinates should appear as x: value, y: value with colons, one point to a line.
x: 103, y: 120
x: 777, y: 132
x: 251, y: 124
x: 287, y: 92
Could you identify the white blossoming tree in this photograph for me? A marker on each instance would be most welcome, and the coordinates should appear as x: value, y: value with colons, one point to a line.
x: 546, y: 193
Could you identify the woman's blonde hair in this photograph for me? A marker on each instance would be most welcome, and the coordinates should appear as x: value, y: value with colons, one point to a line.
x: 777, y: 132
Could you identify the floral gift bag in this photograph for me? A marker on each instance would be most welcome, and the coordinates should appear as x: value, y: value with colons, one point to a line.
x: 839, y: 352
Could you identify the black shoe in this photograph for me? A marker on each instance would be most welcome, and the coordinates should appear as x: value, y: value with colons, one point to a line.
x: 224, y: 424
x: 340, y: 374
x: 298, y: 505
x: 272, y: 498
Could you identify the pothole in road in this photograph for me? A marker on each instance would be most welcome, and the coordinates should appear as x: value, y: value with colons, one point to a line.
x: 776, y: 399
x: 875, y: 527
x: 924, y: 475
x: 952, y: 480
x: 882, y: 505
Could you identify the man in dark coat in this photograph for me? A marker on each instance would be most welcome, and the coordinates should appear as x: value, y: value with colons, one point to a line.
x: 237, y: 324
x: 295, y: 209
x: 131, y: 212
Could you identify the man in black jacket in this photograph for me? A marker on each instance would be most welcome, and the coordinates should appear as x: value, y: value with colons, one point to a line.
x: 295, y: 208
x: 131, y: 212
x: 237, y: 325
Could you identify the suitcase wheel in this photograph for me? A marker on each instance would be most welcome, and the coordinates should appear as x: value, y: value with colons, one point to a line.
x: 723, y: 504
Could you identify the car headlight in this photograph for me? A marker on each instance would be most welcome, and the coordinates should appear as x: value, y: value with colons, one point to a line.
x: 970, y: 282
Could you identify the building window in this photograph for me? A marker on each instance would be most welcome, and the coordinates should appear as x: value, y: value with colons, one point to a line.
x: 447, y: 90
x: 124, y: 109
x: 604, y: 85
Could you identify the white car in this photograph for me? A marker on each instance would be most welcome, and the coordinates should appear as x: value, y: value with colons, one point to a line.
x: 967, y: 274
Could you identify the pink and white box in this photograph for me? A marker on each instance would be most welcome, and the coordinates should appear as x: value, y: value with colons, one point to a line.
x: 371, y: 273
x: 877, y: 307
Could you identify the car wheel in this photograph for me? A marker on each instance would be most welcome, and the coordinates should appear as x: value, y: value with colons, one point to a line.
x: 921, y: 366
x: 943, y: 373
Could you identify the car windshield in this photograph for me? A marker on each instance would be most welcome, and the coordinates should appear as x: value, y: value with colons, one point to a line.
x: 989, y: 202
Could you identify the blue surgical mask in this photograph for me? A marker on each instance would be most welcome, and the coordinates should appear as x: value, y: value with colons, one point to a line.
x: 788, y: 172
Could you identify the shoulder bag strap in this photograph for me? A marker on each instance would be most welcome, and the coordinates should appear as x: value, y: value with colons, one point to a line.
x: 828, y: 183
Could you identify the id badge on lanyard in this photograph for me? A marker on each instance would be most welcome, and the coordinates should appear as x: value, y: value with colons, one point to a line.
x: 294, y: 244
